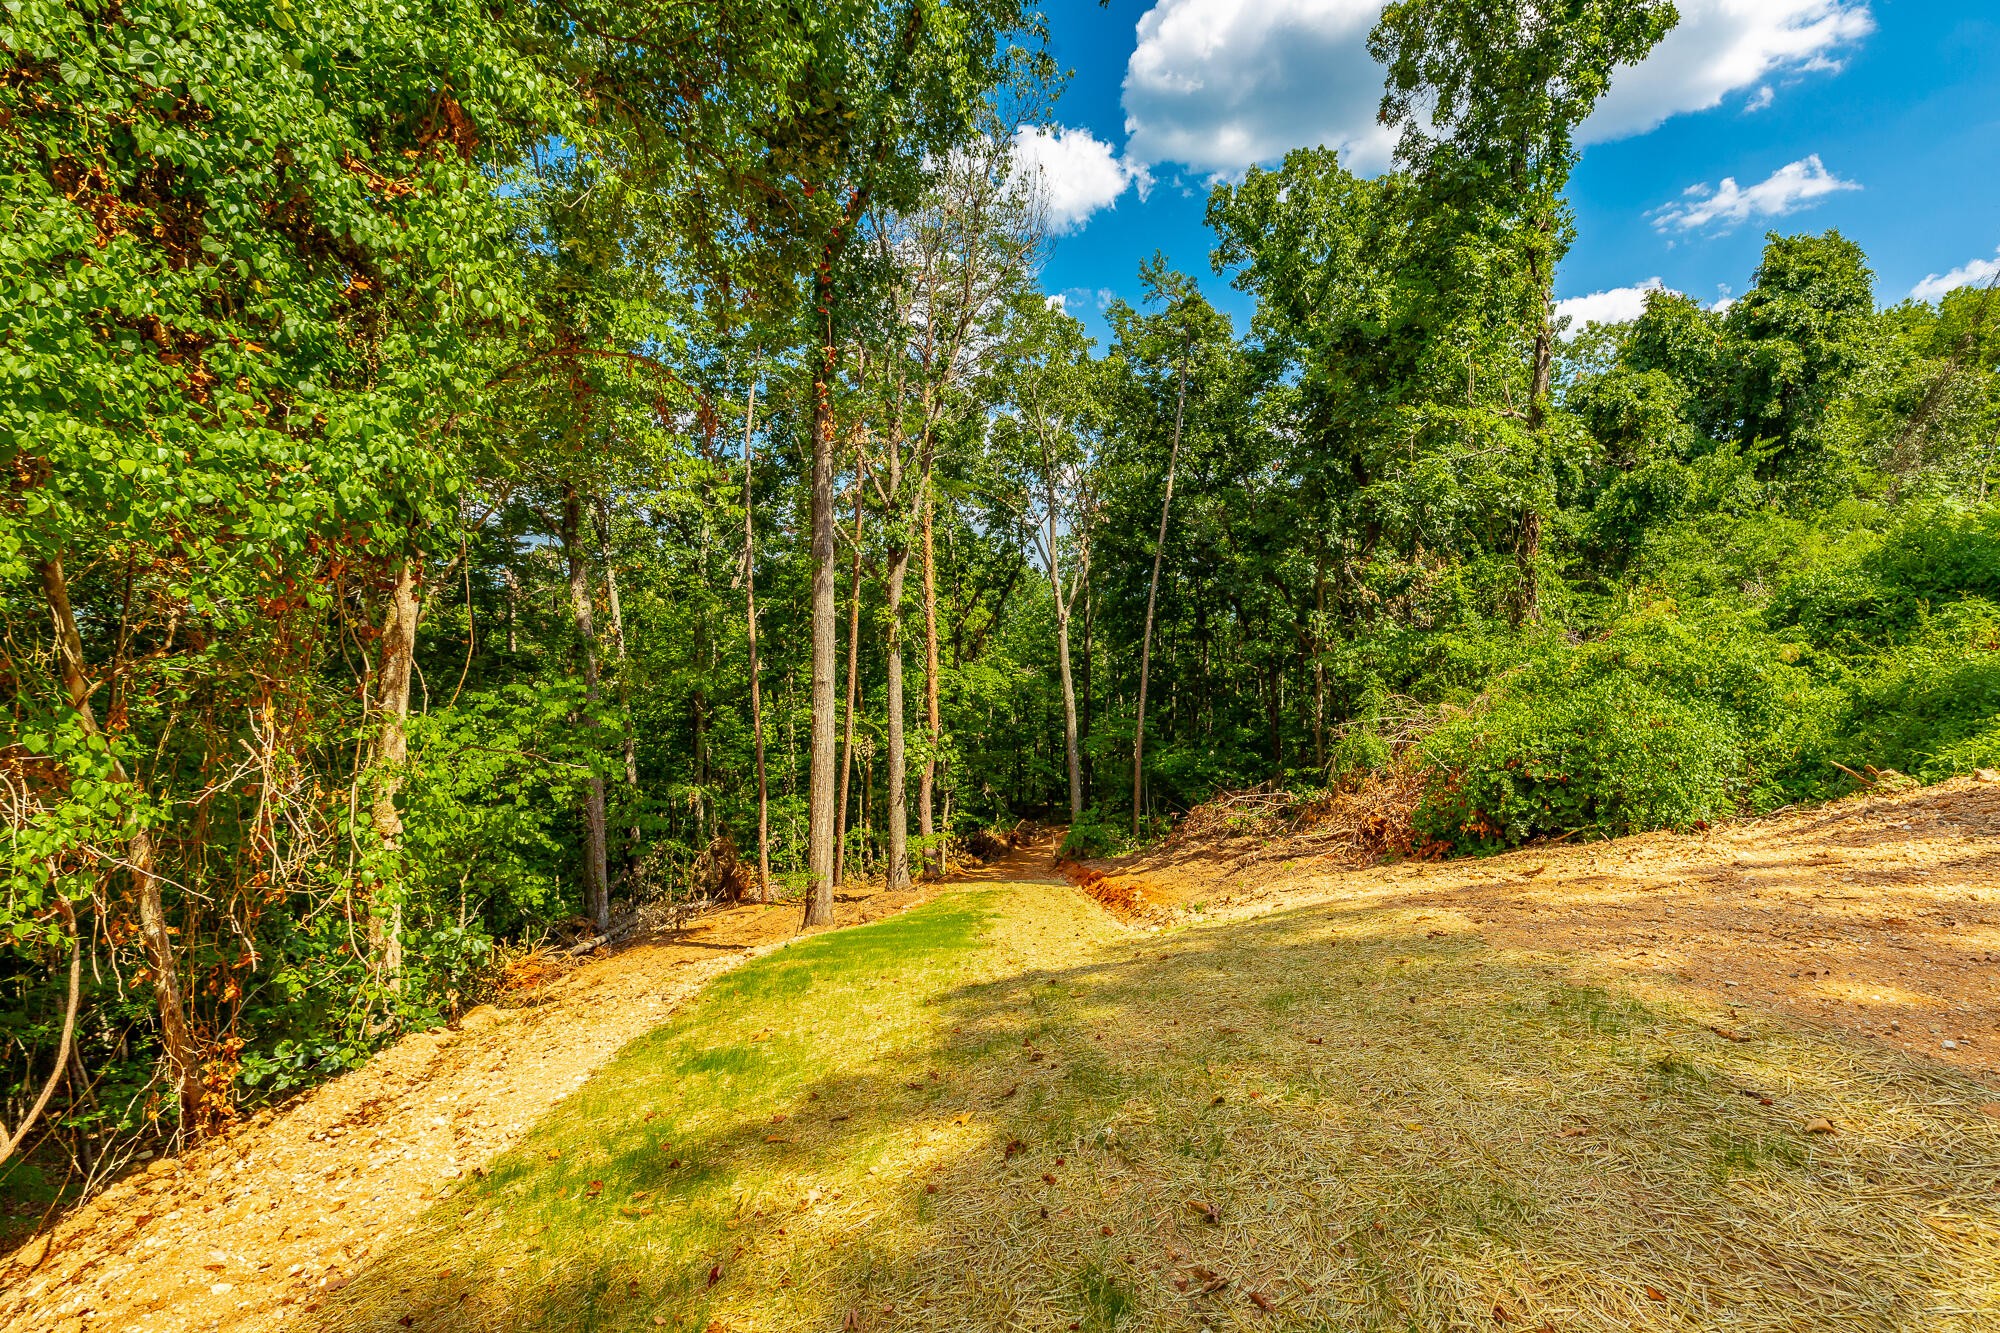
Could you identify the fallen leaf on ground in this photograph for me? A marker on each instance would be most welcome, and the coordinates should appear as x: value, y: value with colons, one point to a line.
x: 962, y: 1118
x: 1262, y: 1302
x: 1819, y: 1125
x: 1209, y: 1212
x: 1727, y: 1034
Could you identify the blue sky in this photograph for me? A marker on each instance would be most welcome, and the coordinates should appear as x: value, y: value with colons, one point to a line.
x: 1878, y: 117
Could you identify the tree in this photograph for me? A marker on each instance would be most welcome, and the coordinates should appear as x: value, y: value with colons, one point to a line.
x: 1185, y: 332
x: 1045, y: 477
x: 1488, y: 97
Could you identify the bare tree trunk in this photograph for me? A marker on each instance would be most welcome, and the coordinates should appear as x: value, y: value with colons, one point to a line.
x: 756, y: 686
x: 820, y: 834
x: 631, y: 738
x: 1072, y: 749
x: 933, y: 856
x: 1152, y: 599
x: 1528, y: 549
x: 596, y: 871
x: 1089, y: 696
x: 392, y: 751
x: 156, y: 936
x: 853, y: 695
x: 513, y: 595
x: 1319, y: 663
x: 899, y: 813
x: 65, y: 1049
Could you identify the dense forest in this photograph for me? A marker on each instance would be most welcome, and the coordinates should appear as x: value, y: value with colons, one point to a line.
x: 475, y: 471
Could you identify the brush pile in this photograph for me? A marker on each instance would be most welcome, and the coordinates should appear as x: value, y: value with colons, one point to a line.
x: 1365, y: 820
x: 1255, y: 811
x: 1358, y: 823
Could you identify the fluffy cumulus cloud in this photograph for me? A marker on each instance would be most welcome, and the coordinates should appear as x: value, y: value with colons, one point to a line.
x: 1620, y: 305
x: 1978, y: 273
x: 1217, y: 84
x: 1220, y: 84
x: 1723, y: 47
x: 1074, y: 173
x: 1787, y: 190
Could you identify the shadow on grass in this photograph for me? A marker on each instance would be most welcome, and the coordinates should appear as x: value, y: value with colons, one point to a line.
x: 1326, y: 1119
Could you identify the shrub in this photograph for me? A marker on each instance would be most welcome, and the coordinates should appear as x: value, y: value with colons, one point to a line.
x: 1931, y: 707
x: 1090, y: 837
x: 1612, y: 758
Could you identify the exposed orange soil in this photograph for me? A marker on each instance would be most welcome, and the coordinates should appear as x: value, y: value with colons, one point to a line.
x: 1876, y: 916
x: 242, y: 1231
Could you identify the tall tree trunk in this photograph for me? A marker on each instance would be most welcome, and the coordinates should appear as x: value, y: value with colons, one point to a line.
x: 513, y: 595
x: 1089, y: 696
x: 750, y: 615
x: 899, y: 813
x: 934, y: 728
x: 1527, y: 559
x: 1273, y: 680
x: 820, y: 830
x: 853, y: 695
x: 1072, y: 748
x: 631, y: 735
x: 1528, y: 548
x: 1152, y: 600
x: 596, y: 870
x: 155, y: 935
x: 1319, y: 662
x: 392, y: 751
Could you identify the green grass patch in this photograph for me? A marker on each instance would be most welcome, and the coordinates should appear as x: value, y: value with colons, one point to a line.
x: 1001, y: 1112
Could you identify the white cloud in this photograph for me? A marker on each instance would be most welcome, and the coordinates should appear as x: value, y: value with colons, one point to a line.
x: 1620, y: 305
x: 1787, y: 190
x: 1722, y: 47
x: 1220, y: 84
x: 1076, y: 173
x: 1977, y: 273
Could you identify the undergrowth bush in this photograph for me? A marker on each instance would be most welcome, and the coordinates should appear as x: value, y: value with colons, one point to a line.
x: 1613, y: 758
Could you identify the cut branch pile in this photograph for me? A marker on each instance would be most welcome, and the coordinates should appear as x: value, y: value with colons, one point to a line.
x: 1359, y: 822
x: 1230, y: 814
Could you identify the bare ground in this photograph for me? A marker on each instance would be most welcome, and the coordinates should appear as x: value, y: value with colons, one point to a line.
x: 1876, y: 916
x: 290, y: 1204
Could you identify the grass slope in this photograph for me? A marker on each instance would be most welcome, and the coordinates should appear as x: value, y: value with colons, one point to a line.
x: 1002, y: 1112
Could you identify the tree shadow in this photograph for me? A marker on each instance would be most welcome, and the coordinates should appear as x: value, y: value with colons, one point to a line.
x: 1333, y: 1117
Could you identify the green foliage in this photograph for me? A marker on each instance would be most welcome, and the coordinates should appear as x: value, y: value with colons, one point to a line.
x: 1095, y: 836
x: 1610, y: 759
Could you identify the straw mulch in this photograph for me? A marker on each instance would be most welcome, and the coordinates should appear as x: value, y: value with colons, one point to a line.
x: 1339, y: 1117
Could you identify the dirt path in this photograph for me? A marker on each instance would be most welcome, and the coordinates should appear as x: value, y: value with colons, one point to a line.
x: 1876, y: 917
x: 236, y: 1232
